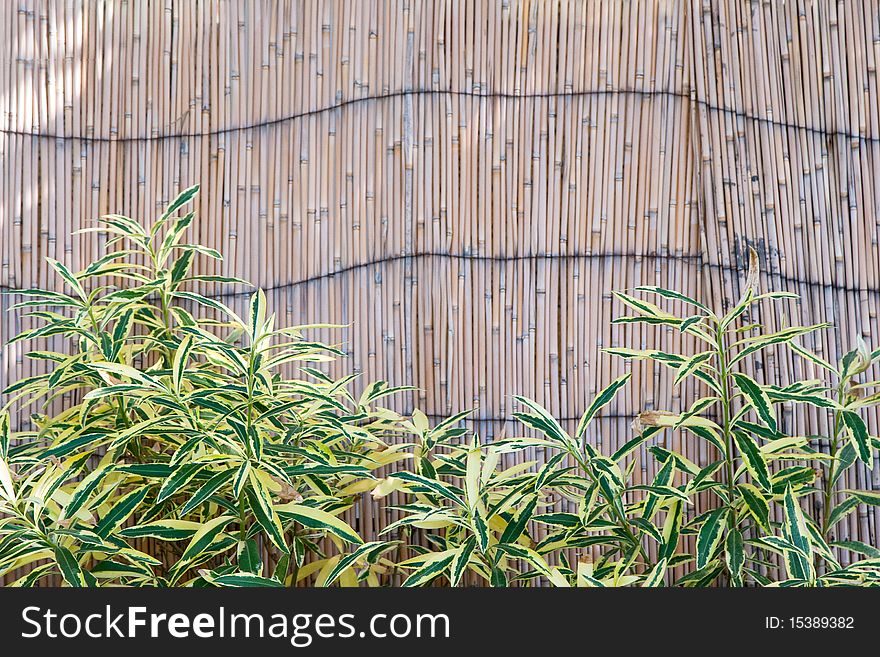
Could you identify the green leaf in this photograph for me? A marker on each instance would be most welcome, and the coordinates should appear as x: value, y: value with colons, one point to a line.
x: 231, y: 280
x: 149, y: 470
x: 869, y: 497
x: 783, y: 336
x: 794, y: 476
x: 529, y: 555
x: 365, y: 551
x: 559, y: 519
x: 431, y: 485
x: 200, y: 542
x: 742, y: 305
x: 283, y: 565
x: 211, y: 303
x: 249, y: 558
x: 855, y: 361
x: 845, y: 458
x: 668, y: 359
x: 120, y: 331
x: 665, y: 492
x: 819, y: 546
x: 181, y: 267
x: 84, y: 490
x: 68, y: 277
x: 257, y: 314
x: 693, y: 323
x: 261, y: 504
x: 181, y: 357
x: 173, y: 236
x: 518, y: 523
x: 179, y: 201
x: 543, y: 422
x: 671, y: 531
x: 647, y: 527
x: 110, y: 391
x: 243, y: 579
x: 810, y: 356
x: 207, y: 489
x: 702, y: 577
x: 858, y: 547
x: 7, y: 489
x: 601, y: 400
x: 5, y: 435
x: 662, y: 478
x: 180, y: 477
x: 682, y: 463
x: 204, y: 250
x: 120, y: 511
x: 691, y: 365
x: 842, y: 510
x: 675, y: 296
x: 550, y: 471
x: 241, y: 477
x: 756, y: 504
x: 126, y: 371
x: 710, y: 536
x: 460, y: 561
x: 816, y: 398
x: 628, y: 447
x: 858, y: 435
x: 163, y: 530
x: 655, y: 577
x: 432, y: 566
x: 71, y: 570
x: 481, y: 529
x: 798, y: 535
x: 777, y: 295
x: 645, y: 308
x: 317, y: 519
x: 753, y: 459
x: 734, y: 554
x: 757, y: 399
x: 668, y: 321
x: 120, y: 225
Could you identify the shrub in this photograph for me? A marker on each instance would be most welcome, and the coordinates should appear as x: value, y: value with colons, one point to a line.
x: 188, y: 456
x: 760, y: 465
x: 189, y: 451
x: 479, y: 515
x: 480, y: 518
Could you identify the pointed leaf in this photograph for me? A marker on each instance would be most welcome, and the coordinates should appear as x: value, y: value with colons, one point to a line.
x: 710, y: 536
x: 601, y: 400
x: 757, y: 398
x: 753, y: 459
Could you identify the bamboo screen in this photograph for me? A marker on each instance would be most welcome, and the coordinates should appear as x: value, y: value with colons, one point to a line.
x: 466, y: 182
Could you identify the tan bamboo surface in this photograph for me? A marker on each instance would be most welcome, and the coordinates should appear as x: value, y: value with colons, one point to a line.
x: 466, y: 182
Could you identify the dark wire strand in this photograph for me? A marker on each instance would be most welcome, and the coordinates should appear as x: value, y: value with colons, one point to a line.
x: 693, y: 259
x: 846, y: 134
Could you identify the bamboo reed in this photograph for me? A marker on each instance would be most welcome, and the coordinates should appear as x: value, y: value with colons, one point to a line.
x: 465, y: 182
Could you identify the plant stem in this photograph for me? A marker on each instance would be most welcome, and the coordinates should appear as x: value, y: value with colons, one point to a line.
x: 727, y: 435
x: 618, y: 516
x: 827, y: 483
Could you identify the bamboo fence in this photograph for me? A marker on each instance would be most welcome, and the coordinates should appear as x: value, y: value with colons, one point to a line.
x: 466, y: 182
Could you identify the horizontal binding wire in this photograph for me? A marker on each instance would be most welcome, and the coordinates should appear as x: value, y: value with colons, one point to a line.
x: 695, y: 259
x: 601, y: 416
x: 846, y: 134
